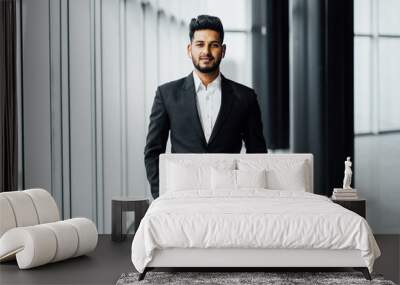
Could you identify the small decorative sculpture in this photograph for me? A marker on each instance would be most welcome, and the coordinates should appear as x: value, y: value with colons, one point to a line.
x: 347, y: 174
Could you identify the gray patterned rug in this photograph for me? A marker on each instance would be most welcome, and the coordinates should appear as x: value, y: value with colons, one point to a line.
x: 229, y: 278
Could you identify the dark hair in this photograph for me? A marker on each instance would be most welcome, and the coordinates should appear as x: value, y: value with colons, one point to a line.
x: 204, y: 22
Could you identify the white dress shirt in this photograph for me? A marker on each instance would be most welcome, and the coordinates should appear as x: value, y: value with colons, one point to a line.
x: 208, y: 102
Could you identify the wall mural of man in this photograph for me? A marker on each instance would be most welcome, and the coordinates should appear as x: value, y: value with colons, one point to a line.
x: 205, y: 112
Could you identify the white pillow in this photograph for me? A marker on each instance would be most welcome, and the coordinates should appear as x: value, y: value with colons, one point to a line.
x: 282, y: 174
x: 236, y: 179
x: 251, y: 178
x: 189, y: 175
x: 223, y: 179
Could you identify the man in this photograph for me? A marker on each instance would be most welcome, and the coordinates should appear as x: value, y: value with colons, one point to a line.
x: 205, y: 112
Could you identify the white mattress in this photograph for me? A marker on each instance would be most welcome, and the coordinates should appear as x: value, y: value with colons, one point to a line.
x: 252, y: 218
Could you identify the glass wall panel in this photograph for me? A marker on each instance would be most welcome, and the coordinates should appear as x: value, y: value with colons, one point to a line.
x: 389, y: 17
x: 237, y: 62
x: 362, y: 17
x: 389, y: 84
x: 231, y: 12
x: 362, y: 85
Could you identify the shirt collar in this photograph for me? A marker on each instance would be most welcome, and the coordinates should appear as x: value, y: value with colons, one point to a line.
x: 216, y: 83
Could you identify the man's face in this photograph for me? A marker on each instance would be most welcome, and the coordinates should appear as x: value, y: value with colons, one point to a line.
x: 206, y: 50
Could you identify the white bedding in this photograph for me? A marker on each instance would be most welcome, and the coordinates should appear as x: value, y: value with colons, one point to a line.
x: 251, y: 218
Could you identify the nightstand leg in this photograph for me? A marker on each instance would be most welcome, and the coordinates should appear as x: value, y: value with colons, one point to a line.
x: 116, y: 217
x: 364, y: 271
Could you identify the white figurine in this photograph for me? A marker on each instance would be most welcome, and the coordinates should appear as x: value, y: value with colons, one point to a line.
x: 347, y: 174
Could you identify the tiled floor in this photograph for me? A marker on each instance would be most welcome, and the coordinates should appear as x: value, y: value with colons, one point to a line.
x: 110, y: 259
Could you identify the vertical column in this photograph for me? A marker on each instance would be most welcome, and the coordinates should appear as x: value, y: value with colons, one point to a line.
x: 55, y: 102
x: 65, y: 115
x: 322, y: 86
x: 82, y: 110
x: 36, y: 100
x: 112, y: 105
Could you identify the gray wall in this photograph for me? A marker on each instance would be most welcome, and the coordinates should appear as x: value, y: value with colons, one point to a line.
x: 81, y: 105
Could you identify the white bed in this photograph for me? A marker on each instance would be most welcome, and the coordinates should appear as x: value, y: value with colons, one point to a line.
x: 225, y: 226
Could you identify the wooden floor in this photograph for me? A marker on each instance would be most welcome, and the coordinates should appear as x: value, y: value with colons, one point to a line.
x: 111, y: 259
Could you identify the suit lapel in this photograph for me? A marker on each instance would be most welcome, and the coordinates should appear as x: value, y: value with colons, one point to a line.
x: 190, y: 95
x: 226, y: 106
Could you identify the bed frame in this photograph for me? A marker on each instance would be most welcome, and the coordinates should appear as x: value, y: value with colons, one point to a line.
x: 256, y: 258
x: 248, y: 257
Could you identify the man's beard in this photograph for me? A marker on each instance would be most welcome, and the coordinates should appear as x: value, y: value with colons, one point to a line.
x: 208, y: 69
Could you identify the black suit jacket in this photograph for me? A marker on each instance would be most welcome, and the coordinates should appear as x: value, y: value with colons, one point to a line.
x: 175, y: 109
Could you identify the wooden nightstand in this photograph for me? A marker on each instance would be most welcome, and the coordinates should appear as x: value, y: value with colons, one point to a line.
x: 357, y: 206
x: 121, y: 205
